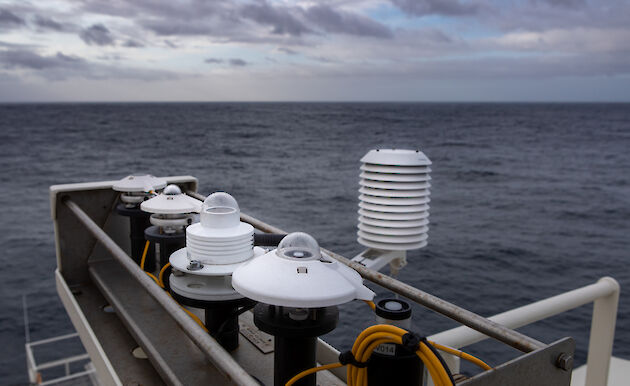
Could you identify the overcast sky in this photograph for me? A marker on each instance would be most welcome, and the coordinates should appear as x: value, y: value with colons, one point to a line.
x: 265, y: 50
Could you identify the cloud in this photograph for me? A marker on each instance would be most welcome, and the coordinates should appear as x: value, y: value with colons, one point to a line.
x: 287, y: 51
x: 61, y: 66
x: 436, y: 7
x: 28, y: 59
x: 97, y: 34
x: 10, y: 20
x: 51, y: 24
x: 132, y: 44
x: 236, y: 62
x: 564, y: 3
x: 170, y: 44
x: 283, y: 20
x: 343, y: 22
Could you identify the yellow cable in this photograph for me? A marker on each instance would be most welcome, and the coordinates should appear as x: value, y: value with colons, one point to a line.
x: 373, y: 336
x: 370, y: 338
x: 193, y: 316
x: 371, y: 304
x: 144, y: 255
x: 161, y: 275
x: 462, y: 355
x: 152, y: 276
x: 311, y: 371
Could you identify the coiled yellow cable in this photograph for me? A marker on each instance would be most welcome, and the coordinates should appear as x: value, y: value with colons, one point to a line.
x: 373, y: 336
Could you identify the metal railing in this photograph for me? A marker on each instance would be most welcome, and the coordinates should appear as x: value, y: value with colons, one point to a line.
x: 501, y: 327
x: 212, y: 350
x: 488, y: 327
x: 35, y: 369
x: 605, y: 296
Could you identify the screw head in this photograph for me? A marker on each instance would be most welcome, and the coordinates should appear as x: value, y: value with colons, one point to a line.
x: 195, y: 265
x: 565, y: 362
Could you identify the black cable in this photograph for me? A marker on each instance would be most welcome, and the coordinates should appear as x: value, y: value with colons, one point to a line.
x: 439, y: 357
x: 236, y: 313
x: 268, y: 239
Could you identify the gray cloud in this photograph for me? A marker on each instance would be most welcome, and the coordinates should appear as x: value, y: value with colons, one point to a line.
x: 51, y: 24
x: 28, y: 59
x: 61, y: 66
x: 287, y: 51
x: 282, y: 19
x: 97, y: 34
x: 10, y: 20
x: 170, y: 44
x: 132, y: 44
x: 436, y: 7
x: 563, y: 3
x: 334, y: 21
x: 236, y: 62
x: 175, y: 27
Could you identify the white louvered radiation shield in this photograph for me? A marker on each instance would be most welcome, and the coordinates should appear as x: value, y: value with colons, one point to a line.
x: 394, y: 200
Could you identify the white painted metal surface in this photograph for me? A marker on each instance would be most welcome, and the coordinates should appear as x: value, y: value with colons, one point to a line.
x: 605, y: 295
x: 104, y: 369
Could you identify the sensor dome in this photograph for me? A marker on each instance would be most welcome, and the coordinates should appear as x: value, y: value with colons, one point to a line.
x: 220, y: 210
x: 219, y: 202
x: 172, y: 190
x: 220, y: 238
x: 171, y: 202
x: 299, y: 245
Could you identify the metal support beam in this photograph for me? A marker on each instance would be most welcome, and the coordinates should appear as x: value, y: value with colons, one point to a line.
x: 494, y: 330
x: 209, y: 346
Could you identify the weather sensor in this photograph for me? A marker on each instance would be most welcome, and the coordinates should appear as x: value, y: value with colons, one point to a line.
x: 134, y: 190
x: 202, y: 271
x: 299, y: 289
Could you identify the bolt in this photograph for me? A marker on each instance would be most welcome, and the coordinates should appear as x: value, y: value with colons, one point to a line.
x: 565, y: 361
x: 195, y: 265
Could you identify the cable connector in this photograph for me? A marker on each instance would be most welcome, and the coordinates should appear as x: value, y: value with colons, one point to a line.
x: 347, y: 358
x: 411, y: 341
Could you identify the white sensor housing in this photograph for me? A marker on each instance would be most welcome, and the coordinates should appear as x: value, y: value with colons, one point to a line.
x: 171, y: 201
x: 393, y: 206
x: 139, y: 183
x: 298, y: 275
x: 136, y: 187
x: 220, y: 241
x: 215, y: 247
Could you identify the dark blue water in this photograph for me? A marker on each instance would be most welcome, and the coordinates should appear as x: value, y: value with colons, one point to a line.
x: 527, y: 201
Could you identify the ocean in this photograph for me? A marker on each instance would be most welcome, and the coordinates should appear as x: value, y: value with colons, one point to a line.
x: 527, y: 200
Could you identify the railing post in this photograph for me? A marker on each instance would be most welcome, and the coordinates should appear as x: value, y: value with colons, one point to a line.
x: 602, y: 336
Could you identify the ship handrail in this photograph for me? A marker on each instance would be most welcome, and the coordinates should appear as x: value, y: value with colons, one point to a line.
x: 35, y: 368
x: 604, y: 294
x: 212, y: 350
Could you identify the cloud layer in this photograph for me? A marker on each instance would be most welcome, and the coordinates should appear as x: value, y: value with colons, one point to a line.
x: 251, y: 41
